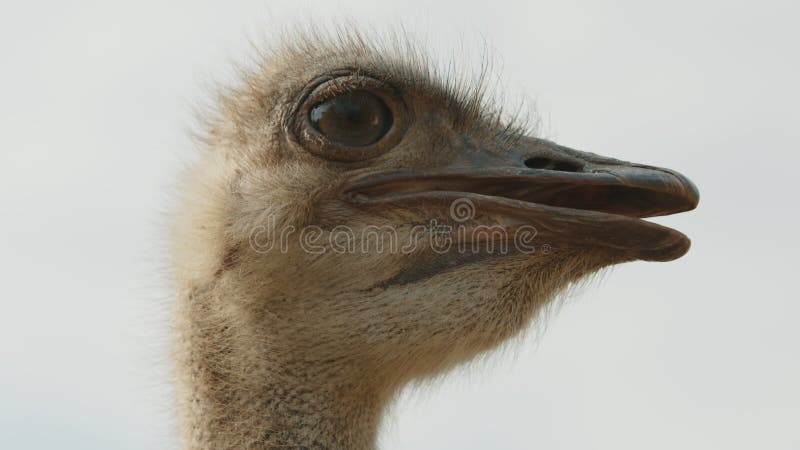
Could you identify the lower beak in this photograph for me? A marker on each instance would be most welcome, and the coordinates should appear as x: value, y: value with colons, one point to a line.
x: 576, y: 198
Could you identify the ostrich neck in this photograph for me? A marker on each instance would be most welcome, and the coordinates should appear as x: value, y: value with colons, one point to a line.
x: 239, y: 387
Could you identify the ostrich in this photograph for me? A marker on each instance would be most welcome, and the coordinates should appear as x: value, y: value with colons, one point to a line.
x: 288, y: 337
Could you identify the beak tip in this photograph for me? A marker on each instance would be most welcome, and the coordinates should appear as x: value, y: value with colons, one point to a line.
x: 689, y: 190
x: 678, y: 246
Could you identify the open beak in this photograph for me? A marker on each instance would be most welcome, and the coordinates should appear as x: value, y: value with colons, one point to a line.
x: 572, y: 198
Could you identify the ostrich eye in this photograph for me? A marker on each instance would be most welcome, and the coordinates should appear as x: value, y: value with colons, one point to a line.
x: 354, y: 119
x: 349, y: 117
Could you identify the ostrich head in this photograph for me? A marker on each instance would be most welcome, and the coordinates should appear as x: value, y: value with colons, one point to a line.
x: 357, y: 222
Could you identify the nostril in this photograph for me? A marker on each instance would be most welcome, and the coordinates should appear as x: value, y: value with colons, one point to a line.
x: 538, y: 163
x: 552, y: 164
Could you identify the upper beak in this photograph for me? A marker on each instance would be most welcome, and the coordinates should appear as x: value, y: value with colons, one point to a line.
x: 575, y: 197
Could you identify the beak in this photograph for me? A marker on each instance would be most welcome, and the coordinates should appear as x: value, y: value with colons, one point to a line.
x: 573, y: 198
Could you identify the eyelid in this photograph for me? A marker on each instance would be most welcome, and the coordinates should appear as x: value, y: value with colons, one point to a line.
x: 328, y: 86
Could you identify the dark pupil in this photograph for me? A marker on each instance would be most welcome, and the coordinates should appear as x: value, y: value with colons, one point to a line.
x: 354, y: 119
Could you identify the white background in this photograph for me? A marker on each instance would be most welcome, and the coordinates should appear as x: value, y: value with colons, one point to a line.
x: 700, y: 353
